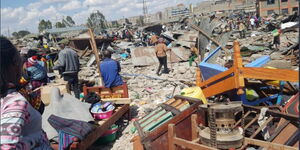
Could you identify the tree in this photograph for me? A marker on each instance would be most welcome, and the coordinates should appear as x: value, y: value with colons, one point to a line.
x: 43, y: 25
x: 70, y: 20
x: 23, y: 33
x: 15, y: 34
x: 20, y: 34
x: 59, y: 25
x: 97, y: 21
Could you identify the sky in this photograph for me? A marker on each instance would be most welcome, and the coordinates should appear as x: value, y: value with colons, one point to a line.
x: 25, y: 14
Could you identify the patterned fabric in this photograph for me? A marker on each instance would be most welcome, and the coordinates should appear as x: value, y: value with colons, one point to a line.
x: 34, y: 98
x: 72, y: 127
x: 20, y: 125
x: 65, y: 140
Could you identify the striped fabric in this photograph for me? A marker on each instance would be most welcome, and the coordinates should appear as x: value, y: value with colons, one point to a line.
x: 64, y: 140
x: 17, y: 114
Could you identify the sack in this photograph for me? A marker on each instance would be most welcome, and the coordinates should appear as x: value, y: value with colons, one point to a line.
x: 275, y: 32
x: 91, y: 98
x: 37, y: 72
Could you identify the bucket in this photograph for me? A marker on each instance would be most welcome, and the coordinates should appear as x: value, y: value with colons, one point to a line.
x: 103, y: 115
x: 109, y: 136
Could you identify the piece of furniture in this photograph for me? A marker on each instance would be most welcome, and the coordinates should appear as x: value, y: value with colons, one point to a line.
x: 234, y: 77
x: 103, y: 125
x: 153, y: 127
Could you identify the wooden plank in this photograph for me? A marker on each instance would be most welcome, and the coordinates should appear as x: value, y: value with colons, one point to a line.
x: 271, y: 74
x: 194, y: 127
x: 146, y: 117
x: 251, y: 122
x: 94, y: 48
x: 86, y: 49
x: 293, y: 139
x: 278, y: 130
x: 261, y: 127
x: 176, y: 119
x: 158, y: 121
x: 220, y: 87
x: 237, y: 65
x: 287, y: 132
x: 176, y: 103
x: 98, y: 132
x: 216, y: 77
x: 190, y: 145
x: 137, y: 145
x: 171, y: 136
x: 245, y: 116
x: 268, y: 145
x: 170, y: 108
x: 157, y: 115
x: 290, y: 117
x: 139, y: 128
x: 170, y: 101
x: 118, y: 100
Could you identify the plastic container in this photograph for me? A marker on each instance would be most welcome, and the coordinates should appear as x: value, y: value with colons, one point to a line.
x: 109, y: 136
x: 194, y: 92
x: 103, y: 115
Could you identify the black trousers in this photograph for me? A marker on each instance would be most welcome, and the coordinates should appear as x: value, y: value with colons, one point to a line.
x: 162, y: 62
x: 73, y: 83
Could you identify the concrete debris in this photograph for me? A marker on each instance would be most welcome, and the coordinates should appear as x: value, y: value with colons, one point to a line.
x: 131, y: 46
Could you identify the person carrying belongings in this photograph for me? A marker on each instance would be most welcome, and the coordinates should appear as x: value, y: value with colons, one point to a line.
x: 21, y: 125
x: 153, y: 40
x: 34, y: 76
x: 242, y: 29
x: 276, y: 37
x: 68, y: 66
x: 110, y: 69
x: 194, y: 54
x: 161, y: 54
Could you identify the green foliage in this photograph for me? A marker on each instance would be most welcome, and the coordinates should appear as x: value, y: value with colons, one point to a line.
x: 43, y: 25
x: 59, y: 25
x: 97, y: 21
x: 20, y: 34
x: 70, y: 20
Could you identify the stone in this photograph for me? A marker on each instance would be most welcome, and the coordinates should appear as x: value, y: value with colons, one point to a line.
x: 279, y: 64
x: 255, y: 56
x: 276, y: 56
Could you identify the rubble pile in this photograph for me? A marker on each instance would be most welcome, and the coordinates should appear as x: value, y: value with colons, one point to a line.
x: 140, y: 64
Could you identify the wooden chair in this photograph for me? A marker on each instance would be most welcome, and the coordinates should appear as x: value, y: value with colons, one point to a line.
x: 234, y: 77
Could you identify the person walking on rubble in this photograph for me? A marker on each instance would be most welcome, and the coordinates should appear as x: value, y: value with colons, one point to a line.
x: 160, y: 51
x: 242, y: 29
x: 252, y: 23
x: 110, y: 69
x: 68, y: 65
x: 194, y: 54
x: 153, y: 40
x: 276, y: 37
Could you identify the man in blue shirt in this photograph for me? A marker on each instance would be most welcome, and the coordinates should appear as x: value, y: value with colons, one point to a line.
x: 110, y: 69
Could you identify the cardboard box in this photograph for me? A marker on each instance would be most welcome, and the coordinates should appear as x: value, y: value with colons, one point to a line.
x: 46, y: 91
